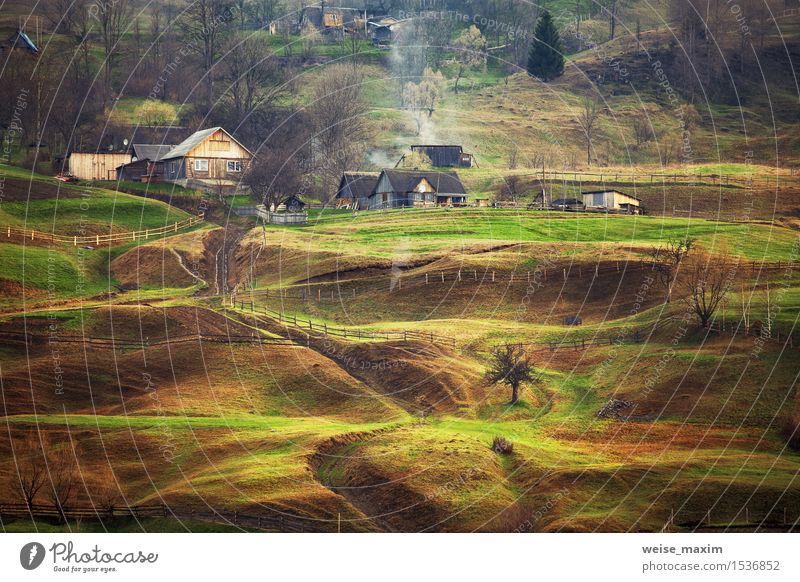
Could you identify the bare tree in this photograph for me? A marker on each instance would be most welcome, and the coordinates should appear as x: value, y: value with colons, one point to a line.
x: 272, y: 176
x: 104, y: 489
x: 31, y: 466
x: 667, y: 260
x: 113, y: 18
x: 64, y: 478
x: 512, y: 367
x: 708, y: 281
x: 587, y: 120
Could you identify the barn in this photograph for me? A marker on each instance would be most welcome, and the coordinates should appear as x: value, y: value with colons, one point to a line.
x: 415, y: 189
x: 96, y: 165
x: 355, y: 188
x: 145, y: 166
x: 445, y: 156
x: 612, y: 201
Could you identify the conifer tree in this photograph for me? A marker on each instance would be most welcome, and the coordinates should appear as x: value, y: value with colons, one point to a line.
x: 546, y: 59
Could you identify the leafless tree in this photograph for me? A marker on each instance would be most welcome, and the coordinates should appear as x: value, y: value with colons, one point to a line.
x: 31, y: 466
x: 64, y: 478
x: 707, y: 283
x: 204, y: 24
x: 104, y: 489
x: 113, y: 19
x: 587, y: 120
x: 667, y: 260
x: 273, y: 175
x: 512, y: 367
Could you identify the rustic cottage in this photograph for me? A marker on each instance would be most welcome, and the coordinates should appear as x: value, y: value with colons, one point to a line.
x: 415, y: 189
x: 445, y: 156
x: 612, y: 201
x: 209, y: 159
x: 355, y: 188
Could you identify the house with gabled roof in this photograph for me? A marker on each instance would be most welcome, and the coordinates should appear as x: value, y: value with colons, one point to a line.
x: 417, y: 189
x: 355, y: 188
x: 209, y: 159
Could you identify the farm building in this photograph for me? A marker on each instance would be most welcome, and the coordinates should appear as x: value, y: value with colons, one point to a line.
x: 20, y: 41
x: 567, y: 204
x: 355, y: 188
x: 385, y: 30
x: 412, y: 189
x: 95, y: 165
x: 209, y: 159
x: 144, y: 167
x: 332, y: 21
x: 292, y: 204
x: 445, y: 156
x: 612, y: 201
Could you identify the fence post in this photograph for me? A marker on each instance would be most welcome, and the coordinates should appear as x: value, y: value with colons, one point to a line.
x: 492, y: 276
x: 426, y: 278
x: 442, y: 276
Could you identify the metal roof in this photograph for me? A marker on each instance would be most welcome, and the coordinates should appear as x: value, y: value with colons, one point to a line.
x: 198, y: 137
x: 152, y: 152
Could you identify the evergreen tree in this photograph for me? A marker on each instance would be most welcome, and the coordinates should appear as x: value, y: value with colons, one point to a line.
x: 546, y: 59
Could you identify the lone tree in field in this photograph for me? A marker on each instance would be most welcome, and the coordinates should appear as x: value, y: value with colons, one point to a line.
x: 587, y: 120
x: 667, y: 260
x: 708, y: 281
x: 31, y: 467
x: 273, y: 175
x: 510, y: 366
x: 546, y: 59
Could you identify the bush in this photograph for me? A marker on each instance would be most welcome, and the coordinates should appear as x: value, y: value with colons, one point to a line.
x: 502, y: 446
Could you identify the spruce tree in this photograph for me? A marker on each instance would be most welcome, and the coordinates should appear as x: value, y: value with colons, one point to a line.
x: 546, y: 59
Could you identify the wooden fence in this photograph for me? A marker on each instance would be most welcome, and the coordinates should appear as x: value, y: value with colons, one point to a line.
x: 742, y: 518
x: 271, y: 521
x: 121, y: 344
x: 655, y: 178
x: 322, y: 330
x: 99, y: 239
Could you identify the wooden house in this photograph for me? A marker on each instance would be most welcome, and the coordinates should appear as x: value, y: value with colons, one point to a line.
x: 209, y: 159
x: 330, y: 20
x: 445, y: 156
x: 416, y: 189
x: 292, y: 204
x: 612, y: 201
x: 355, y: 188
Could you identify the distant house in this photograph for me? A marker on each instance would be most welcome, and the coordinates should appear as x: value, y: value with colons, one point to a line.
x: 384, y: 31
x: 209, y: 159
x: 612, y: 201
x: 292, y: 204
x: 567, y: 204
x: 445, y: 156
x: 20, y: 41
x: 410, y: 189
x: 330, y: 20
x: 355, y: 188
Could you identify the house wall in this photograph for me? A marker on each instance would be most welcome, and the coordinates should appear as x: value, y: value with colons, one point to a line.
x: 91, y: 166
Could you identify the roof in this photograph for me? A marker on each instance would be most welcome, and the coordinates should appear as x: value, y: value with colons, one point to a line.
x: 152, y: 152
x: 191, y: 142
x: 444, y: 182
x: 361, y: 184
x: 566, y: 202
x: 611, y: 190
x: 20, y: 38
x: 315, y: 15
x: 441, y: 156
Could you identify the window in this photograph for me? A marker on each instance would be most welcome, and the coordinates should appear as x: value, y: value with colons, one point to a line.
x: 234, y: 166
x: 201, y: 165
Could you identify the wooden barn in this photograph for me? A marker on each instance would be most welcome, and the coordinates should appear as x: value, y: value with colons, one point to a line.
x: 445, y: 156
x: 145, y: 166
x: 612, y: 201
x: 415, y: 189
x: 355, y: 188
x: 95, y: 165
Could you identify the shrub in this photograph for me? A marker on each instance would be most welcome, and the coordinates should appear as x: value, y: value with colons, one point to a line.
x: 502, y: 446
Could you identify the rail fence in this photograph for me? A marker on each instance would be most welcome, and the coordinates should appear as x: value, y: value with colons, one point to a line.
x: 309, y: 329
x: 344, y: 289
x: 653, y: 178
x: 744, y: 517
x: 118, y: 343
x: 269, y: 521
x: 99, y: 239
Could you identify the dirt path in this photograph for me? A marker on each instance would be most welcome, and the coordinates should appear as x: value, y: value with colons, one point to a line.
x: 183, y: 266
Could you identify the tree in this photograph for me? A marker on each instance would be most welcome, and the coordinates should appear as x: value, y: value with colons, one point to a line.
x: 31, y: 466
x: 587, y: 120
x: 154, y: 113
x: 272, y: 177
x: 64, y: 478
x: 512, y: 367
x: 114, y: 18
x: 707, y: 284
x: 470, y: 49
x: 422, y: 98
x: 546, y: 59
x: 204, y: 26
x: 667, y: 260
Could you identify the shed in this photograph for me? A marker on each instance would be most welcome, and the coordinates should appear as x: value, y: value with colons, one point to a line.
x: 445, y: 156
x: 355, y: 188
x: 293, y: 204
x: 612, y: 201
x: 567, y: 204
